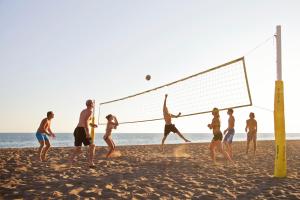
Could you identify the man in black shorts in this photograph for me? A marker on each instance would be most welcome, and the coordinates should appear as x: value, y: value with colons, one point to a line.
x: 169, y: 127
x: 82, y: 134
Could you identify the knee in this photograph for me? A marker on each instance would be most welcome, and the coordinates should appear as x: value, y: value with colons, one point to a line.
x: 42, y: 145
x: 92, y: 146
x: 48, y: 145
x: 78, y: 150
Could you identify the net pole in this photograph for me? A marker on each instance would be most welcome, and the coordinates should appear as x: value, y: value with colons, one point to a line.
x: 279, y: 120
x: 93, y: 124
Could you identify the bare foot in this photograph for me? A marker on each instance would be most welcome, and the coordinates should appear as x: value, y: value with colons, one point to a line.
x: 39, y: 158
x: 44, y: 158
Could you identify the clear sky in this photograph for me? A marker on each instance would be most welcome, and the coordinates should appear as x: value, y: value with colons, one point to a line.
x: 56, y: 54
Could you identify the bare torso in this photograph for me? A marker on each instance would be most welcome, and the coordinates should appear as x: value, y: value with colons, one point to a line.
x: 168, y: 118
x: 216, y: 124
x: 44, y: 125
x: 85, y: 116
x: 231, y: 121
x: 252, y: 125
x: 109, y: 127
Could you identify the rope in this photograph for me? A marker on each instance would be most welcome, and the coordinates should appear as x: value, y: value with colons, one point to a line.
x: 259, y: 45
x: 263, y: 108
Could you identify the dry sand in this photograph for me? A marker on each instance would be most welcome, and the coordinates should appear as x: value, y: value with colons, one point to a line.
x: 143, y: 172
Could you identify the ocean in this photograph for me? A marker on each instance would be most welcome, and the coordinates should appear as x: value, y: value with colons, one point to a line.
x: 20, y: 140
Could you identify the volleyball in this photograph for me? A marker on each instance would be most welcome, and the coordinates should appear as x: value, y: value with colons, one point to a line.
x: 148, y: 77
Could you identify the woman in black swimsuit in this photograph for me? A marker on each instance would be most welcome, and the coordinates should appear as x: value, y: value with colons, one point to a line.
x: 217, y: 139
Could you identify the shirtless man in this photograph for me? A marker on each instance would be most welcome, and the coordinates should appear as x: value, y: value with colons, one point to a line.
x: 169, y: 127
x: 251, y: 130
x: 41, y: 135
x: 229, y: 132
x: 82, y: 134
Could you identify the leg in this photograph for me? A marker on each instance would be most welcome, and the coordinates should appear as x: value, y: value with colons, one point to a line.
x: 225, y: 154
x: 180, y: 135
x: 91, y: 154
x: 254, y: 146
x: 110, y: 145
x: 229, y: 146
x: 75, y: 153
x: 114, y: 146
x: 225, y: 146
x: 248, y: 142
x: 163, y: 142
x: 45, y: 150
x: 212, y: 148
x: 42, y: 143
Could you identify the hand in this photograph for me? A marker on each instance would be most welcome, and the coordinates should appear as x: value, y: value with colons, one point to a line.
x: 179, y: 113
x: 166, y: 95
x: 88, y: 135
x: 53, y: 135
x: 209, y: 126
x: 93, y: 125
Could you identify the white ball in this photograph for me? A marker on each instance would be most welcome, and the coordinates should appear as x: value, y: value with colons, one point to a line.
x: 148, y: 77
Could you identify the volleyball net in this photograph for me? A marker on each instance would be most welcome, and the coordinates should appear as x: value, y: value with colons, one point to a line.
x: 223, y: 86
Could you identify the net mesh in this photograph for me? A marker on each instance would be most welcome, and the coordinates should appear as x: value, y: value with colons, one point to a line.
x: 224, y: 86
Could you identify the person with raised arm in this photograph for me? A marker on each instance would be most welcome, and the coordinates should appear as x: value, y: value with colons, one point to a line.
x: 169, y: 127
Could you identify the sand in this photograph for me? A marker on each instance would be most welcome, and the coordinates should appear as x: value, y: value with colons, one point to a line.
x: 184, y: 171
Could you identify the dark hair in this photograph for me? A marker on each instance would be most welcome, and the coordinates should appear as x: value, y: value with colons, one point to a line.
x: 230, y: 110
x: 108, y: 116
x: 49, y: 113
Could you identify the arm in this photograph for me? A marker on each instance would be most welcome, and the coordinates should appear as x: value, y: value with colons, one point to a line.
x: 50, y: 131
x: 255, y: 126
x: 176, y: 115
x: 246, y: 126
x: 165, y: 109
x: 45, y: 127
x: 225, y: 131
x: 210, y: 126
x: 116, y: 122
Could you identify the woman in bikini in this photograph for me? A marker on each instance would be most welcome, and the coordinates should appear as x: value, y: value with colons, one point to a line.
x: 217, y: 139
x: 112, y: 123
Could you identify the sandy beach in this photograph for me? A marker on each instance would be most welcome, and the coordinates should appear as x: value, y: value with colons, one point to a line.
x: 184, y: 171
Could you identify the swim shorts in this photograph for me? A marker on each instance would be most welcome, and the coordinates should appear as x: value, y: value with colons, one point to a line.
x: 217, y: 136
x: 80, y: 137
x: 170, y: 128
x: 41, y: 136
x: 229, y: 136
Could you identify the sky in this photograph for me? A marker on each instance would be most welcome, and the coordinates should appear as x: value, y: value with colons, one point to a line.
x: 56, y: 54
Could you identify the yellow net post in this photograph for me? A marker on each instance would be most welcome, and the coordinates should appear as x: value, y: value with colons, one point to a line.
x: 280, y: 159
x: 93, y: 123
x: 279, y: 121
